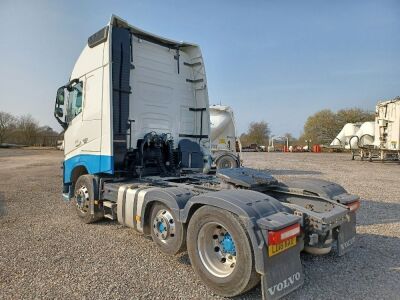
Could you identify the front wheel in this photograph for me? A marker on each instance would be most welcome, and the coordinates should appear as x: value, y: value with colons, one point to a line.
x: 220, y: 251
x: 85, y: 194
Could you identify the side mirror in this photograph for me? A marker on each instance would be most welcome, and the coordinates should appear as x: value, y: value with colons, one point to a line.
x: 59, y: 112
x: 58, y: 108
x: 60, y: 96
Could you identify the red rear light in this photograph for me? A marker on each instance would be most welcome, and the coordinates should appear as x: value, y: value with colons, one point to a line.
x: 353, y: 206
x: 276, y: 237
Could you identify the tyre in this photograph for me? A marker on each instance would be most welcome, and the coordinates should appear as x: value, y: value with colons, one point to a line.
x: 226, y: 162
x: 85, y: 193
x: 166, y: 231
x: 220, y: 252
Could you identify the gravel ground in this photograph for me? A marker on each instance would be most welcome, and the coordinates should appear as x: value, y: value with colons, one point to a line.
x: 45, y: 252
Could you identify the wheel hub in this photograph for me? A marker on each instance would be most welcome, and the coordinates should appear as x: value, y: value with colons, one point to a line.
x: 217, y: 249
x: 161, y: 227
x: 227, y: 244
x: 226, y: 164
x: 82, y: 199
x: 164, y: 225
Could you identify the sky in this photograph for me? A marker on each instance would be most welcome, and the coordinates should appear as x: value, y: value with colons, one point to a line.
x: 273, y: 61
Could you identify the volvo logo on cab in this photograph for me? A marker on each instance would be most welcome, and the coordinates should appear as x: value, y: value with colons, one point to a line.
x: 284, y: 284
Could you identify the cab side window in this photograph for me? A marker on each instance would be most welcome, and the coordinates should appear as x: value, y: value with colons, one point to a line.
x: 75, y: 101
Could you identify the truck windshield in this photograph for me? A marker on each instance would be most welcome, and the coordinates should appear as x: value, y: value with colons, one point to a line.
x: 74, y: 101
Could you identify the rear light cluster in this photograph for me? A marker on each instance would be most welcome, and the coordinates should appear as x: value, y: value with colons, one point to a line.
x: 276, y: 237
x: 353, y: 206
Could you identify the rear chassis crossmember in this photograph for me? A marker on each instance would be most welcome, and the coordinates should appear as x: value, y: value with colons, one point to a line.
x: 334, y: 222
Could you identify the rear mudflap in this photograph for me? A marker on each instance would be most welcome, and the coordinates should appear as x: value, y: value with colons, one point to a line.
x: 346, y: 235
x: 284, y: 274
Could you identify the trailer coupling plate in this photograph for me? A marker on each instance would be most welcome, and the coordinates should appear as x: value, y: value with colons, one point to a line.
x: 284, y: 274
x: 246, y: 177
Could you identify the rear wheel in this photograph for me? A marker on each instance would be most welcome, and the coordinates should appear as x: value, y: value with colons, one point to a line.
x: 166, y: 231
x: 85, y: 194
x: 220, y: 251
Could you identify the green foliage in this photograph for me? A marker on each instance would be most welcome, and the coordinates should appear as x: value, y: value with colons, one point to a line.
x: 257, y: 133
x: 354, y: 115
x: 323, y: 126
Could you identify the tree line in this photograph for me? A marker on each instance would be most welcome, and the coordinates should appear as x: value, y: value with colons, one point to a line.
x: 323, y: 126
x: 320, y: 128
x: 25, y: 130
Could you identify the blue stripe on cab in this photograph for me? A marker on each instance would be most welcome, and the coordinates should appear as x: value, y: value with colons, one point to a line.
x: 94, y: 164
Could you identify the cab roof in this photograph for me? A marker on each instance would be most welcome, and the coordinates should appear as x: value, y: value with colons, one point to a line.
x: 119, y: 22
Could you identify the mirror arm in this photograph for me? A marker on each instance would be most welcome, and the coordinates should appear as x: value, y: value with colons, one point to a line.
x: 63, y: 124
x: 68, y: 86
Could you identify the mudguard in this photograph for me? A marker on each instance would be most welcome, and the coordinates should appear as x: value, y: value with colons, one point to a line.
x: 173, y: 197
x: 247, y: 204
x: 260, y: 213
x: 322, y: 188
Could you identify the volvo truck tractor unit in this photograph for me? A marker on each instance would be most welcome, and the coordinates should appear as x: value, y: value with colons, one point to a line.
x: 137, y: 150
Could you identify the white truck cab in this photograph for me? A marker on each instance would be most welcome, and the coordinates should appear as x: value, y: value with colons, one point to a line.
x: 125, y: 84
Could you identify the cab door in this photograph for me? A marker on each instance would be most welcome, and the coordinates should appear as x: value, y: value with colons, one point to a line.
x: 91, y: 118
x: 83, y: 136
